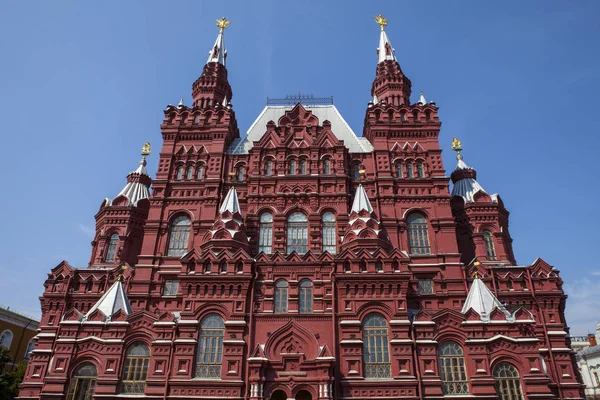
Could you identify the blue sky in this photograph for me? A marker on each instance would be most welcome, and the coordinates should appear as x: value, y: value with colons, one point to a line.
x: 83, y: 86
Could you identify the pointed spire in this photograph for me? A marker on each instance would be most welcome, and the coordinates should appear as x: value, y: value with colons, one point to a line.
x: 464, y: 177
x: 112, y: 301
x: 361, y: 201
x: 231, y: 202
x: 422, y: 99
x: 218, y: 53
x: 180, y: 103
x: 385, y: 51
x: 138, y: 181
x: 482, y: 300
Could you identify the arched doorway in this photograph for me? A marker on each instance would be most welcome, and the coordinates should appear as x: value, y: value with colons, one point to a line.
x: 303, y: 395
x: 279, y: 395
x: 83, y: 382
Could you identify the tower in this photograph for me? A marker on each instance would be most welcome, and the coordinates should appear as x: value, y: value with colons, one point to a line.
x: 303, y: 261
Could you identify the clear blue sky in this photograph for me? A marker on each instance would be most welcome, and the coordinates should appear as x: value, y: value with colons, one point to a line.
x: 83, y: 86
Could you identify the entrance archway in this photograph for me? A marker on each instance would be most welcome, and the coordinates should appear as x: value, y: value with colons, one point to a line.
x: 279, y: 395
x: 303, y: 395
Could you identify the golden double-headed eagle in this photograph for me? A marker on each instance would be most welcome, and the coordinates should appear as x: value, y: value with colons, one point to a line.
x: 381, y: 21
x: 223, y: 23
x: 146, y: 149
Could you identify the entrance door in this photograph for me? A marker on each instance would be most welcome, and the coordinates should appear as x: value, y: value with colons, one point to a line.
x: 83, y: 383
x: 303, y: 395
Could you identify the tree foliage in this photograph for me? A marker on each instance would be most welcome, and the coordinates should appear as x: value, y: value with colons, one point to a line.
x: 11, y: 376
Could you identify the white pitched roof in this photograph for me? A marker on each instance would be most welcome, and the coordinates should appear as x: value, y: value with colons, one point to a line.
x: 361, y: 201
x: 339, y: 127
x: 112, y: 301
x: 385, y: 51
x: 136, y: 191
x: 482, y: 300
x: 231, y: 202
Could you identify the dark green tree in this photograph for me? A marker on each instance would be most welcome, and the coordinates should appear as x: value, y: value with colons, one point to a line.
x: 10, y: 378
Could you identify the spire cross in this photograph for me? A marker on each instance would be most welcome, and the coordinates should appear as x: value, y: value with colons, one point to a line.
x: 457, y: 147
x: 381, y: 21
x: 222, y: 24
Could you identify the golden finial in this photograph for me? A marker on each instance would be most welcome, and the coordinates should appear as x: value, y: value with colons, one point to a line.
x: 381, y: 21
x: 457, y: 147
x: 120, y: 275
x: 222, y: 24
x: 146, y: 149
x: 232, y: 178
x: 476, y: 275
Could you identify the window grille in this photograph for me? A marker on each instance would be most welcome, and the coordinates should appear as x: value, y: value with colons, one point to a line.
x: 179, y: 237
x: 508, y: 383
x: 327, y: 167
x: 425, y: 286
x: 135, y: 369
x: 281, y: 297
x: 83, y: 383
x: 420, y: 170
x: 171, y: 287
x: 490, y: 250
x: 265, y: 233
x: 376, y: 347
x: 210, y: 347
x: 452, y: 369
x: 305, y: 296
x: 418, y: 236
x: 297, y: 233
x: 329, y: 236
x: 111, y: 250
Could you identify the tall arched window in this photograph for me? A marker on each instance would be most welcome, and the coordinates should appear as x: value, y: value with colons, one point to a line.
x: 508, y: 382
x: 111, y: 249
x: 29, y: 349
x: 356, y: 172
x: 265, y: 233
x: 327, y: 166
x: 241, y: 172
x: 210, y: 347
x: 305, y: 296
x: 83, y: 382
x: 297, y: 233
x: 452, y: 369
x: 490, y: 250
x: 376, y: 351
x: 269, y: 168
x: 409, y: 170
x: 190, y: 173
x: 398, y: 170
x: 179, y: 175
x: 179, y: 236
x: 328, y: 237
x: 292, y: 167
x: 200, y: 172
x: 303, y: 167
x: 6, y: 338
x: 418, y: 237
x: 135, y: 369
x: 281, y: 296
x: 420, y: 170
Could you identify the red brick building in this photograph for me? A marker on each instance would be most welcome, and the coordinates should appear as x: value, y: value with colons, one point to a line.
x: 303, y: 261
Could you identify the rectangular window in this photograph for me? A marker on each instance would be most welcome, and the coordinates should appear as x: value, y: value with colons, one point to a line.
x: 425, y: 286
x: 171, y: 287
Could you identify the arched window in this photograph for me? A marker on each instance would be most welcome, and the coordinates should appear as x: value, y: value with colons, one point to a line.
x: 83, y: 382
x: 190, y: 173
x: 241, y: 172
x: 305, y: 296
x: 265, y: 233
x: 297, y: 233
x: 452, y: 369
x: 269, y: 168
x: 6, y: 338
x: 179, y: 236
x: 111, y: 249
x: 29, y: 349
x: 329, y: 239
x: 356, y: 172
x: 409, y: 170
x: 327, y: 166
x: 292, y: 167
x: 508, y: 383
x: 200, y: 172
x: 135, y: 369
x: 196, y: 118
x: 376, y: 351
x: 223, y: 267
x: 418, y: 237
x: 398, y: 170
x: 210, y: 347
x: 281, y: 296
x: 303, y: 167
x: 179, y: 175
x: 420, y: 170
x: 490, y: 250
x: 207, y: 267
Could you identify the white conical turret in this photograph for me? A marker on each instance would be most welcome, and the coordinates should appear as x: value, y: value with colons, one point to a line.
x: 138, y: 182
x: 385, y: 51
x: 361, y: 201
x: 422, y: 99
x: 482, y: 300
x: 231, y: 202
x: 113, y: 300
x: 218, y: 53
